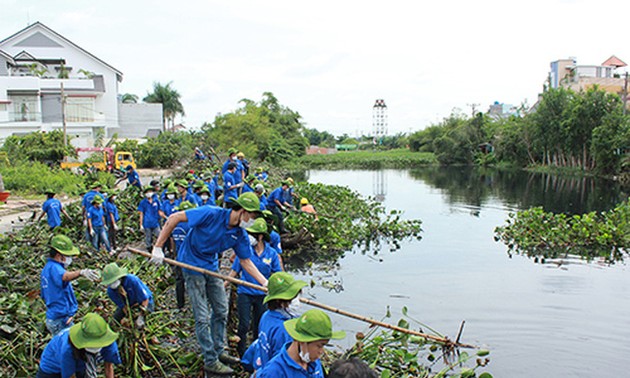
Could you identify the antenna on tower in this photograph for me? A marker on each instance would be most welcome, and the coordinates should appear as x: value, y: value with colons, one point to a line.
x: 379, y: 121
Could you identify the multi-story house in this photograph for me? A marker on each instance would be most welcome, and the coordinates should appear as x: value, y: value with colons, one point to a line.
x: 607, y: 76
x: 40, y: 69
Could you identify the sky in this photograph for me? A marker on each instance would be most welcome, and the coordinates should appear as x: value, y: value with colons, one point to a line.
x: 330, y: 60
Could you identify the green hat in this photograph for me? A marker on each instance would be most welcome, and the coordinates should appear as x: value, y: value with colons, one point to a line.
x: 190, y: 176
x: 204, y: 189
x: 171, y: 189
x: 97, y: 199
x: 199, y: 184
x: 92, y: 332
x: 147, y: 188
x: 232, y: 150
x: 287, y: 183
x: 182, y: 183
x: 95, y: 184
x: 63, y: 245
x: 250, y: 177
x: 49, y: 191
x: 167, y: 182
x: 215, y: 168
x: 111, y: 273
x: 259, y: 169
x: 259, y: 227
x: 248, y: 201
x: 186, y: 205
x: 311, y: 326
x: 282, y: 285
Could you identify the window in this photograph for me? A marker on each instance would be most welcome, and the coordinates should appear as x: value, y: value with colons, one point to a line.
x: 24, y: 108
x: 80, y: 109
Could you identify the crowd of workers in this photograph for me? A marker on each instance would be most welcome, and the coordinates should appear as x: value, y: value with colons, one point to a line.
x: 180, y: 218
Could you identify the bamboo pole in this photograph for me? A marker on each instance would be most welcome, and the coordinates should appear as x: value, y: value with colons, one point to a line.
x: 442, y: 340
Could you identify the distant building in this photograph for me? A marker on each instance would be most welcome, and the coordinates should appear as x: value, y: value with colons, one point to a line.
x: 316, y: 150
x: 36, y: 62
x: 499, y: 110
x: 608, y: 76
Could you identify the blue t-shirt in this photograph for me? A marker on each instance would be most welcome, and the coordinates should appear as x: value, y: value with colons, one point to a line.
x: 283, y: 366
x: 88, y: 197
x: 287, y: 195
x: 96, y: 214
x: 267, y: 264
x: 179, y: 234
x: 247, y: 189
x: 210, y: 235
x: 58, y: 356
x: 52, y: 208
x: 169, y: 208
x: 275, y: 242
x: 150, y: 210
x: 272, y: 336
x: 276, y: 194
x: 136, y: 290
x: 111, y: 208
x: 229, y: 179
x: 134, y: 179
x: 57, y: 294
x: 190, y: 197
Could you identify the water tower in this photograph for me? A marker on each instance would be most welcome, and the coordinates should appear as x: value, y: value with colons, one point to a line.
x: 379, y: 120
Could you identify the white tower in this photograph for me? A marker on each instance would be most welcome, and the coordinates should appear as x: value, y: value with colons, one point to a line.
x: 379, y: 120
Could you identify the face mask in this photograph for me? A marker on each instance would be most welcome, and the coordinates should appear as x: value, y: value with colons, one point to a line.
x: 170, y: 196
x: 294, y: 306
x: 149, y: 194
x: 304, y: 356
x: 112, y: 199
x: 93, y: 350
x: 67, y: 261
x: 247, y: 224
x: 252, y: 241
x: 114, y: 285
x: 204, y: 197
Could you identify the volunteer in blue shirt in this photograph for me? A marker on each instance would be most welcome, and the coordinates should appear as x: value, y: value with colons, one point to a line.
x: 205, y: 198
x: 112, y: 217
x: 260, y: 192
x: 184, y: 195
x: 170, y: 202
x: 77, y: 351
x: 177, y: 239
x: 276, y: 202
x: 241, y: 158
x: 300, y: 358
x: 96, y: 224
x: 86, y: 204
x: 230, y: 185
x: 53, y: 209
x: 283, y: 303
x: 133, y: 179
x: 275, y: 240
x: 127, y: 291
x: 250, y: 301
x: 261, y: 174
x: 149, y: 210
x: 249, y: 184
x: 213, y: 230
x: 56, y: 285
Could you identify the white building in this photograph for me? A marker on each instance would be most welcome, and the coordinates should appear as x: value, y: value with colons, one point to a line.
x: 34, y: 65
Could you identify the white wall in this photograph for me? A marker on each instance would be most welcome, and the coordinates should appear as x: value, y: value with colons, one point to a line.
x: 136, y: 119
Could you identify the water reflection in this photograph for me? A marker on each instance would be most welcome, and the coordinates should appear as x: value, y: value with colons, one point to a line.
x: 379, y: 189
x: 475, y: 187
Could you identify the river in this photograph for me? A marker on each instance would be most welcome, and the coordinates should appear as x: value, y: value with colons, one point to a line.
x: 545, y: 320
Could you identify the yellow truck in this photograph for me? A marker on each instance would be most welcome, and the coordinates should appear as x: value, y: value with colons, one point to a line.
x: 100, y: 158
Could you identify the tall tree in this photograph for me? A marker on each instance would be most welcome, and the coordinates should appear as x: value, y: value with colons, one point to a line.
x: 129, y: 98
x: 169, y: 98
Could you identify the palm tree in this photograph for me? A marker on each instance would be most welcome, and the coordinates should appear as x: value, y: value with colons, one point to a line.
x: 169, y: 98
x: 129, y: 98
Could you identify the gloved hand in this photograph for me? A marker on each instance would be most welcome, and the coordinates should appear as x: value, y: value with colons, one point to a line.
x: 106, y: 228
x: 90, y: 274
x: 140, y: 321
x: 142, y: 228
x: 240, y: 184
x: 116, y: 227
x: 84, y: 222
x: 92, y: 233
x: 157, y: 256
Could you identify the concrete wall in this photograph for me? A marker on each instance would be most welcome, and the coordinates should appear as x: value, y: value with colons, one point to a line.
x: 136, y: 120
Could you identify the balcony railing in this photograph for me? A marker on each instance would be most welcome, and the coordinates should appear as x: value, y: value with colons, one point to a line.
x: 25, y: 117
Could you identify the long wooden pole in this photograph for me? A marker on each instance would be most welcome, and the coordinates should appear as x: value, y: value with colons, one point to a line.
x: 442, y: 340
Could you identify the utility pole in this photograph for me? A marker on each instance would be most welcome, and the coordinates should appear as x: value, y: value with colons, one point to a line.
x: 474, y: 109
x: 625, y: 94
x: 63, y: 118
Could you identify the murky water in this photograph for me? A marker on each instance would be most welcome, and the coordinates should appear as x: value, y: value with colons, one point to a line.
x: 568, y: 320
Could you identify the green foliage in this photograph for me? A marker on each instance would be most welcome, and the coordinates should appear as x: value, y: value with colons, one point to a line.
x: 35, y: 177
x: 397, y: 158
x: 165, y: 150
x: 44, y: 147
x: 266, y: 130
x: 128, y: 145
x: 537, y: 233
x: 319, y: 138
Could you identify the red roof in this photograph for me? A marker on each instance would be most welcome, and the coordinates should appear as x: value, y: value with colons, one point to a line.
x: 614, y: 61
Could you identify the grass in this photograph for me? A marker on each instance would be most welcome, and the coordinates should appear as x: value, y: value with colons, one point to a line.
x: 31, y: 179
x: 398, y: 158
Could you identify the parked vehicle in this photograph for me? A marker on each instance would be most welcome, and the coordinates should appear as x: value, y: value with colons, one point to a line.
x: 99, y: 158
